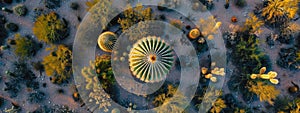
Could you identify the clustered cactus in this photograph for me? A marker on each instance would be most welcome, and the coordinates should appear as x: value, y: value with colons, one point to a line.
x: 271, y: 76
x: 216, y: 71
x: 151, y: 59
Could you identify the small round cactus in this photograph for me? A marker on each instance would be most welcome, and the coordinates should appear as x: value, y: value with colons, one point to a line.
x: 151, y: 59
x: 194, y: 33
x: 107, y: 40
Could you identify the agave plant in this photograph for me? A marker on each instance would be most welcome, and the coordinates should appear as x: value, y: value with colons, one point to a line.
x: 151, y: 59
x: 106, y: 41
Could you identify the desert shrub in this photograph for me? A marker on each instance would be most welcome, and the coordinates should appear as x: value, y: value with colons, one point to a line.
x: 23, y: 74
x: 100, y: 11
x: 42, y: 109
x: 12, y: 87
x: 279, y: 12
x: 20, y: 10
x: 1, y: 101
x: 288, y: 32
x: 36, y: 97
x: 252, y: 24
x: 97, y: 95
x: 271, y: 39
x: 264, y: 91
x: 61, y: 109
x: 170, y: 3
x: 49, y: 28
x: 164, y: 97
x: 13, y: 109
x: 205, y: 101
x: 104, y: 71
x: 58, y: 64
x: 218, y: 105
x: 208, y: 27
x: 3, y: 33
x: 74, y: 5
x: 240, y: 3
x: 133, y: 16
x: 38, y: 12
x: 91, y: 3
x: 60, y: 91
x: 38, y: 66
x: 25, y: 47
x: 233, y: 105
x: 289, y: 58
x: 161, y: 98
x: 292, y: 106
x: 176, y: 23
x: 2, y: 19
x: 52, y: 4
x: 249, y: 59
x: 11, y: 27
x: 280, y: 103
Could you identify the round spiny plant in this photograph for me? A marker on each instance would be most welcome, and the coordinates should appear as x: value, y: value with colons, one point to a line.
x: 151, y: 59
x: 107, y: 40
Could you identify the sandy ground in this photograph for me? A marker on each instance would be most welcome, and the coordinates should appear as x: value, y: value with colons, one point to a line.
x: 26, y: 23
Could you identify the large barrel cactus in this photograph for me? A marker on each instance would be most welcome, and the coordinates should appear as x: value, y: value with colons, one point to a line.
x: 151, y: 59
x: 107, y: 40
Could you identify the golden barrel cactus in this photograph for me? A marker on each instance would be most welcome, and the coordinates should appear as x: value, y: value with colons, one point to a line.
x: 151, y: 59
x: 107, y: 40
x: 194, y: 33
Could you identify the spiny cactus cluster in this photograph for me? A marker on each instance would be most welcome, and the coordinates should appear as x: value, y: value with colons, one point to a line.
x: 271, y: 76
x: 216, y: 71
